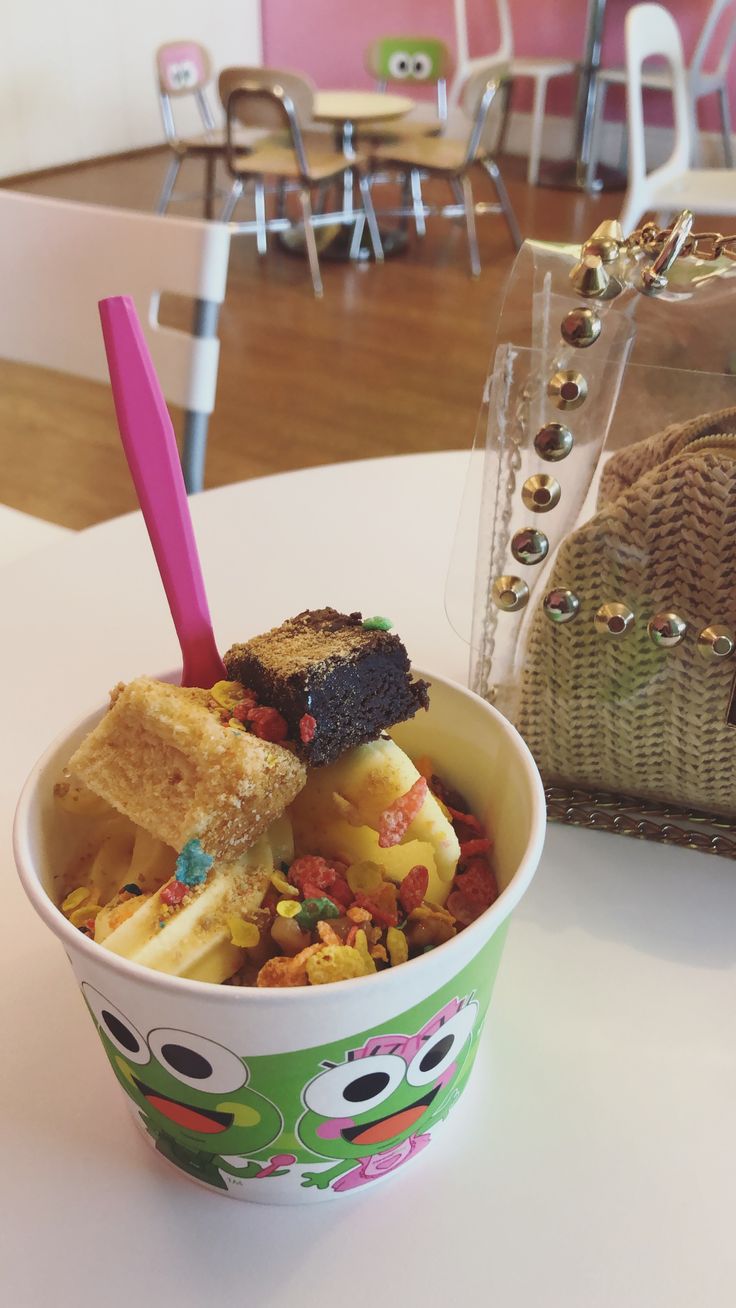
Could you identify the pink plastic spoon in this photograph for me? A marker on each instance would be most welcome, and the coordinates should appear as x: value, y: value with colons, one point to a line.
x: 150, y: 448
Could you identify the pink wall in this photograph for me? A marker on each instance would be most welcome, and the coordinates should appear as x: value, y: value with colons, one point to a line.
x: 326, y: 38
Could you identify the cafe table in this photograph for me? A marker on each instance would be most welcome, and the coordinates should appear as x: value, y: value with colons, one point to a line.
x: 345, y: 112
x: 591, y: 1162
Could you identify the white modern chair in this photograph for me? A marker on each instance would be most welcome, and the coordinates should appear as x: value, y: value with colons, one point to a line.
x: 57, y: 259
x: 700, y: 81
x: 541, y: 71
x: 651, y: 32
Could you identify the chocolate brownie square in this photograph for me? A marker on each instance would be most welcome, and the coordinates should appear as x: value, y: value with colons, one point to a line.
x: 353, y: 680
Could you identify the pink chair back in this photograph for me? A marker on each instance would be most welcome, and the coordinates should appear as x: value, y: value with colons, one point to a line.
x: 183, y: 67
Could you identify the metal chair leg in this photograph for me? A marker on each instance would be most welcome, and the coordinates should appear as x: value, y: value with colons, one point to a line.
x: 370, y: 217
x: 228, y: 207
x: 507, y: 88
x: 357, y: 236
x: 210, y: 164
x: 167, y: 190
x: 457, y: 191
x: 261, y: 231
x: 494, y: 172
x: 418, y: 202
x: 194, y: 450
x: 469, y: 204
x: 406, y: 203
x: 306, y: 205
x: 725, y: 113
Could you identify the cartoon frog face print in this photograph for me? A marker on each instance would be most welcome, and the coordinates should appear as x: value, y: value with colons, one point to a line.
x: 404, y: 59
x: 373, y: 1111
x: 191, y: 1092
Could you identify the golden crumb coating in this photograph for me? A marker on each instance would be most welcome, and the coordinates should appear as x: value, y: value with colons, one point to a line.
x: 165, y: 759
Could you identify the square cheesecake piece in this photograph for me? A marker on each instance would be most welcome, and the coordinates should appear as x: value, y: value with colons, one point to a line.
x: 163, y: 756
x: 354, y: 682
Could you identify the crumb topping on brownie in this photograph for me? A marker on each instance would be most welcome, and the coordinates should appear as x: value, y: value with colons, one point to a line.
x: 318, y: 638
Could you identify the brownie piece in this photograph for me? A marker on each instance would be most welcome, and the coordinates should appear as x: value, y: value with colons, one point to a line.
x: 355, y: 682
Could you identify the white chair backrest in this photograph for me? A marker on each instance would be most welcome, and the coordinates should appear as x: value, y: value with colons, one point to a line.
x: 705, y: 41
x: 651, y: 31
x: 57, y: 259
x: 505, y: 48
x: 465, y: 66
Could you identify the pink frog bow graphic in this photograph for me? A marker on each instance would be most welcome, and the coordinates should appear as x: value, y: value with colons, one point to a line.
x: 372, y: 1112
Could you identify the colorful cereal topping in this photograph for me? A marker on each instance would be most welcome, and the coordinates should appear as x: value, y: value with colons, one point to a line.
x: 228, y: 694
x: 395, y: 821
x: 244, y: 935
x: 307, y: 728
x: 173, y: 893
x: 377, y: 624
x: 337, y: 923
x: 413, y: 888
x: 193, y: 864
x: 267, y: 723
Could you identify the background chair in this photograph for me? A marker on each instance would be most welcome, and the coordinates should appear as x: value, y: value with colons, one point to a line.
x: 541, y: 71
x: 453, y: 160
x: 700, y: 82
x: 284, y: 102
x: 184, y: 71
x: 57, y: 259
x: 411, y: 61
x: 652, y: 32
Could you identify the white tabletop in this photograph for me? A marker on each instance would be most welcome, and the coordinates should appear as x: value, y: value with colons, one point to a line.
x: 594, y: 1164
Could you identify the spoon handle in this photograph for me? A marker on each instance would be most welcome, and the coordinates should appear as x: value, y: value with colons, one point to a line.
x: 153, y: 458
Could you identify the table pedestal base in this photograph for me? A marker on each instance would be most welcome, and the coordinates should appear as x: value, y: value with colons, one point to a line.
x: 566, y: 175
x: 334, y: 243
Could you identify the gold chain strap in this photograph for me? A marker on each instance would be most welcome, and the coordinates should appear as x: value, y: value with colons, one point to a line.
x: 699, y: 245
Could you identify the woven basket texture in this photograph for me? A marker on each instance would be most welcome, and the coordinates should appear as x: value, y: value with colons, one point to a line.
x: 621, y: 714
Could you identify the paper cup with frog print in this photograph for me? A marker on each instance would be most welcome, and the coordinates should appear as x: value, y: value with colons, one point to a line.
x: 295, y: 1095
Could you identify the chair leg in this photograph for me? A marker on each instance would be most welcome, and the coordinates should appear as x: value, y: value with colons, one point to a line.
x: 457, y: 191
x: 210, y: 164
x: 494, y: 172
x: 406, y: 202
x: 418, y: 202
x: 725, y: 113
x: 535, y: 145
x: 507, y: 88
x: 370, y: 217
x: 231, y: 200
x: 261, y: 233
x: 469, y: 203
x: 306, y: 204
x: 194, y: 450
x: 167, y: 190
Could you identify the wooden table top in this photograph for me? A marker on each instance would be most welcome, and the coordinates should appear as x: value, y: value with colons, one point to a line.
x: 359, y: 106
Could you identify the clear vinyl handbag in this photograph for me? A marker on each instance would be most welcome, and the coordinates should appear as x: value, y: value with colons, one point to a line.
x: 601, y: 509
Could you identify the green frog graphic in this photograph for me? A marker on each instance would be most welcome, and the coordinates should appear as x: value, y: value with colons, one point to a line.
x: 372, y: 1112
x: 193, y: 1098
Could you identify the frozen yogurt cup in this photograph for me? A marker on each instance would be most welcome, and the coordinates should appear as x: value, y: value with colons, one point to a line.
x: 307, y: 1093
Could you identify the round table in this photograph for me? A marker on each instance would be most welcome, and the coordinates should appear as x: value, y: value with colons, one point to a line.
x: 592, y: 1163
x: 347, y: 109
x: 344, y: 111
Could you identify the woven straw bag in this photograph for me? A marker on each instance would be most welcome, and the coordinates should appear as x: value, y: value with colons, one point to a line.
x: 620, y: 713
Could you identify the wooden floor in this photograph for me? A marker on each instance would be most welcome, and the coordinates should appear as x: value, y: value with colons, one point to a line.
x: 392, y: 360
